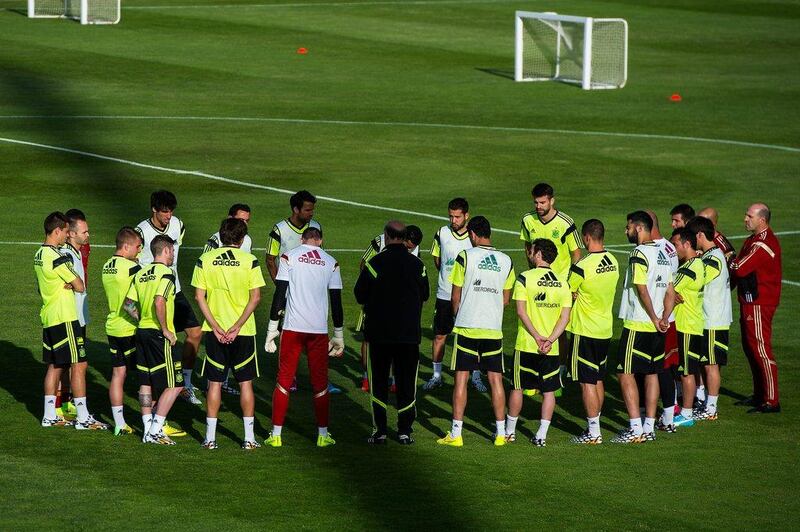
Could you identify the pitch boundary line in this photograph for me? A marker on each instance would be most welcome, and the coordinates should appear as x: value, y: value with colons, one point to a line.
x: 431, y: 125
x: 290, y: 5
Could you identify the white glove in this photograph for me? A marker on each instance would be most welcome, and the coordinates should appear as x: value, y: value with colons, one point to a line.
x: 336, y: 344
x: 272, y: 334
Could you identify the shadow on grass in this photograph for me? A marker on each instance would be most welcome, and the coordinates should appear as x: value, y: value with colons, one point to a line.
x: 499, y: 72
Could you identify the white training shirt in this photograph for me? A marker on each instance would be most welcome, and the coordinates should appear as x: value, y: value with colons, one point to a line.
x: 717, y: 310
x: 81, y: 303
x: 659, y: 275
x: 148, y: 231
x: 215, y: 242
x: 447, y: 245
x: 311, y: 272
x: 287, y: 235
x: 486, y: 273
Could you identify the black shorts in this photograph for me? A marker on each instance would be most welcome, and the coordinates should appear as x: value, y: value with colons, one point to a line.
x: 641, y: 353
x: 482, y: 354
x: 535, y: 371
x: 123, y: 351
x: 184, y: 317
x: 239, y: 356
x: 63, y: 344
x: 157, y: 364
x: 716, y: 346
x: 443, y: 318
x: 587, y: 358
x: 691, y: 352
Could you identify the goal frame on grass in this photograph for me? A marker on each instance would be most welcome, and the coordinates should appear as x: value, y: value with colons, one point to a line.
x: 87, y: 11
x: 592, y: 67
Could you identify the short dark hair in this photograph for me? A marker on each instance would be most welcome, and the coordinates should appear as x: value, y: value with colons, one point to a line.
x: 311, y: 232
x: 163, y: 200
x: 480, y: 226
x: 684, y: 209
x: 685, y: 234
x: 594, y: 228
x: 236, y: 207
x: 414, y: 234
x: 127, y: 234
x: 458, y: 204
x: 232, y: 231
x: 641, y: 218
x: 701, y: 224
x: 393, y: 231
x: 301, y: 196
x: 542, y: 189
x: 547, y: 248
x: 55, y: 220
x: 73, y: 216
x: 159, y: 243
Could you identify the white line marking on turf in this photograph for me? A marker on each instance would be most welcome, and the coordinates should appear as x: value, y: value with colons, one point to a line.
x: 651, y: 136
x: 324, y: 4
x: 227, y: 180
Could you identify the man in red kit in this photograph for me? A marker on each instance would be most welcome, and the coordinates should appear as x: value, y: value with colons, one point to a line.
x: 757, y: 272
x: 719, y: 239
x: 307, y: 276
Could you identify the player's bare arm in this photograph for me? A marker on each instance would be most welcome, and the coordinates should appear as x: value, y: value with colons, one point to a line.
x: 161, y: 317
x: 455, y: 299
x: 130, y: 307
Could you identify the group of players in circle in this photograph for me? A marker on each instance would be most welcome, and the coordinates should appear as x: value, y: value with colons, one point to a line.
x: 676, y: 311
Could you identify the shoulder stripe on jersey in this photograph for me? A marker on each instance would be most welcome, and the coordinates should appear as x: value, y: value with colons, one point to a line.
x: 713, y: 262
x: 638, y: 260
x: 275, y: 235
x: 134, y: 270
x: 521, y: 279
x: 462, y: 259
x: 64, y: 259
x: 571, y: 229
x: 255, y: 264
x: 169, y: 277
x: 577, y: 270
x: 199, y: 263
x: 687, y: 272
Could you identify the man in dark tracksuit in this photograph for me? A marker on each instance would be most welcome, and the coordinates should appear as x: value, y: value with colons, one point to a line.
x: 392, y: 288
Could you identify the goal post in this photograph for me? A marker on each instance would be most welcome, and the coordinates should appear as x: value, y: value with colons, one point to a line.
x: 586, y: 51
x: 86, y: 11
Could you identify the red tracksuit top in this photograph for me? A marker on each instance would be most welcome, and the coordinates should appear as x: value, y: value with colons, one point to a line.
x: 758, y: 270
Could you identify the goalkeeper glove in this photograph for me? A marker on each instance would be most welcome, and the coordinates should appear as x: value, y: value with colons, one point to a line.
x: 336, y: 344
x: 272, y: 334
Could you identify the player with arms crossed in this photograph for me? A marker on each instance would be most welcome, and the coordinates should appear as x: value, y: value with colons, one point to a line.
x: 543, y: 306
x: 448, y: 242
x: 118, y: 274
x: 159, y: 368
x: 482, y: 279
x: 228, y: 285
x: 647, y: 301
x: 162, y: 222
x: 62, y: 341
x: 307, y: 277
x: 593, y: 282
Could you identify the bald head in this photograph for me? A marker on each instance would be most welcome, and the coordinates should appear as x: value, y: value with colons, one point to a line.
x: 394, y: 232
x: 710, y: 213
x: 655, y: 234
x: 757, y: 217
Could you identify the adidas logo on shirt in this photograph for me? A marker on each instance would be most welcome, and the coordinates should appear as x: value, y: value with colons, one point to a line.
x: 606, y: 266
x: 662, y: 259
x: 549, y: 279
x: 489, y: 263
x: 312, y: 257
x: 226, y: 259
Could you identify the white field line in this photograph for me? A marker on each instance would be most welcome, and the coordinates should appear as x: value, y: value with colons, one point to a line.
x: 416, y: 125
x: 323, y: 4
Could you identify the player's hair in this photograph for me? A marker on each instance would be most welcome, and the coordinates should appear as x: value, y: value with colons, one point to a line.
x: 685, y: 235
x: 458, y: 204
x: 127, y: 234
x: 594, y: 228
x: 55, y: 220
x: 765, y: 213
x: 641, y: 218
x: 480, y: 226
x: 297, y: 199
x: 395, y: 230
x: 547, y: 248
x: 701, y: 224
x: 542, y: 189
x: 684, y: 209
x: 159, y: 243
x: 414, y: 234
x: 163, y: 200
x: 311, y: 232
x: 232, y: 231
x: 236, y: 207
x: 73, y: 216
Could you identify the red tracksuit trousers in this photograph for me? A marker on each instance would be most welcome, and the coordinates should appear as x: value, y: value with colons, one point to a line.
x: 316, y: 348
x: 756, y: 324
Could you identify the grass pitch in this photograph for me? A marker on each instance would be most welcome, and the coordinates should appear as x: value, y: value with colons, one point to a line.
x: 400, y: 105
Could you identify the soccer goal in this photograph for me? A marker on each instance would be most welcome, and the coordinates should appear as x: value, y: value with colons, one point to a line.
x: 590, y: 52
x: 87, y: 11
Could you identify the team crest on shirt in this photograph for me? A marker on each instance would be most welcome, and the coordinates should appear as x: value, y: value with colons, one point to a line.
x: 556, y: 233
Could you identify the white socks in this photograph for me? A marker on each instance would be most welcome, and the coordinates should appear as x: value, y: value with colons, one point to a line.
x: 322, y: 431
x: 157, y: 425
x: 511, y: 424
x: 147, y: 421
x: 211, y: 429
x: 594, y: 425
x: 119, y: 418
x: 437, y: 369
x: 80, y: 405
x: 711, y: 404
x: 249, y: 426
x: 501, y: 427
x: 50, y: 406
x: 649, y: 424
x: 476, y: 375
x: 541, y: 434
x: 701, y: 393
x: 668, y: 415
x: 455, y: 430
x: 686, y: 413
x: 187, y: 378
x: 636, y: 426
x: 276, y: 430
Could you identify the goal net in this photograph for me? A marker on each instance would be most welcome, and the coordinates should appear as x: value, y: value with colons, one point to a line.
x: 590, y: 52
x: 87, y: 11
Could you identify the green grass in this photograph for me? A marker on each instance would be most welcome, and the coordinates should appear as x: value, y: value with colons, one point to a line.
x: 387, y: 67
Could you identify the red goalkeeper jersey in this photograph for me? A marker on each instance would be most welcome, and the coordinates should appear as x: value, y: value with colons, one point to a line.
x: 757, y: 270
